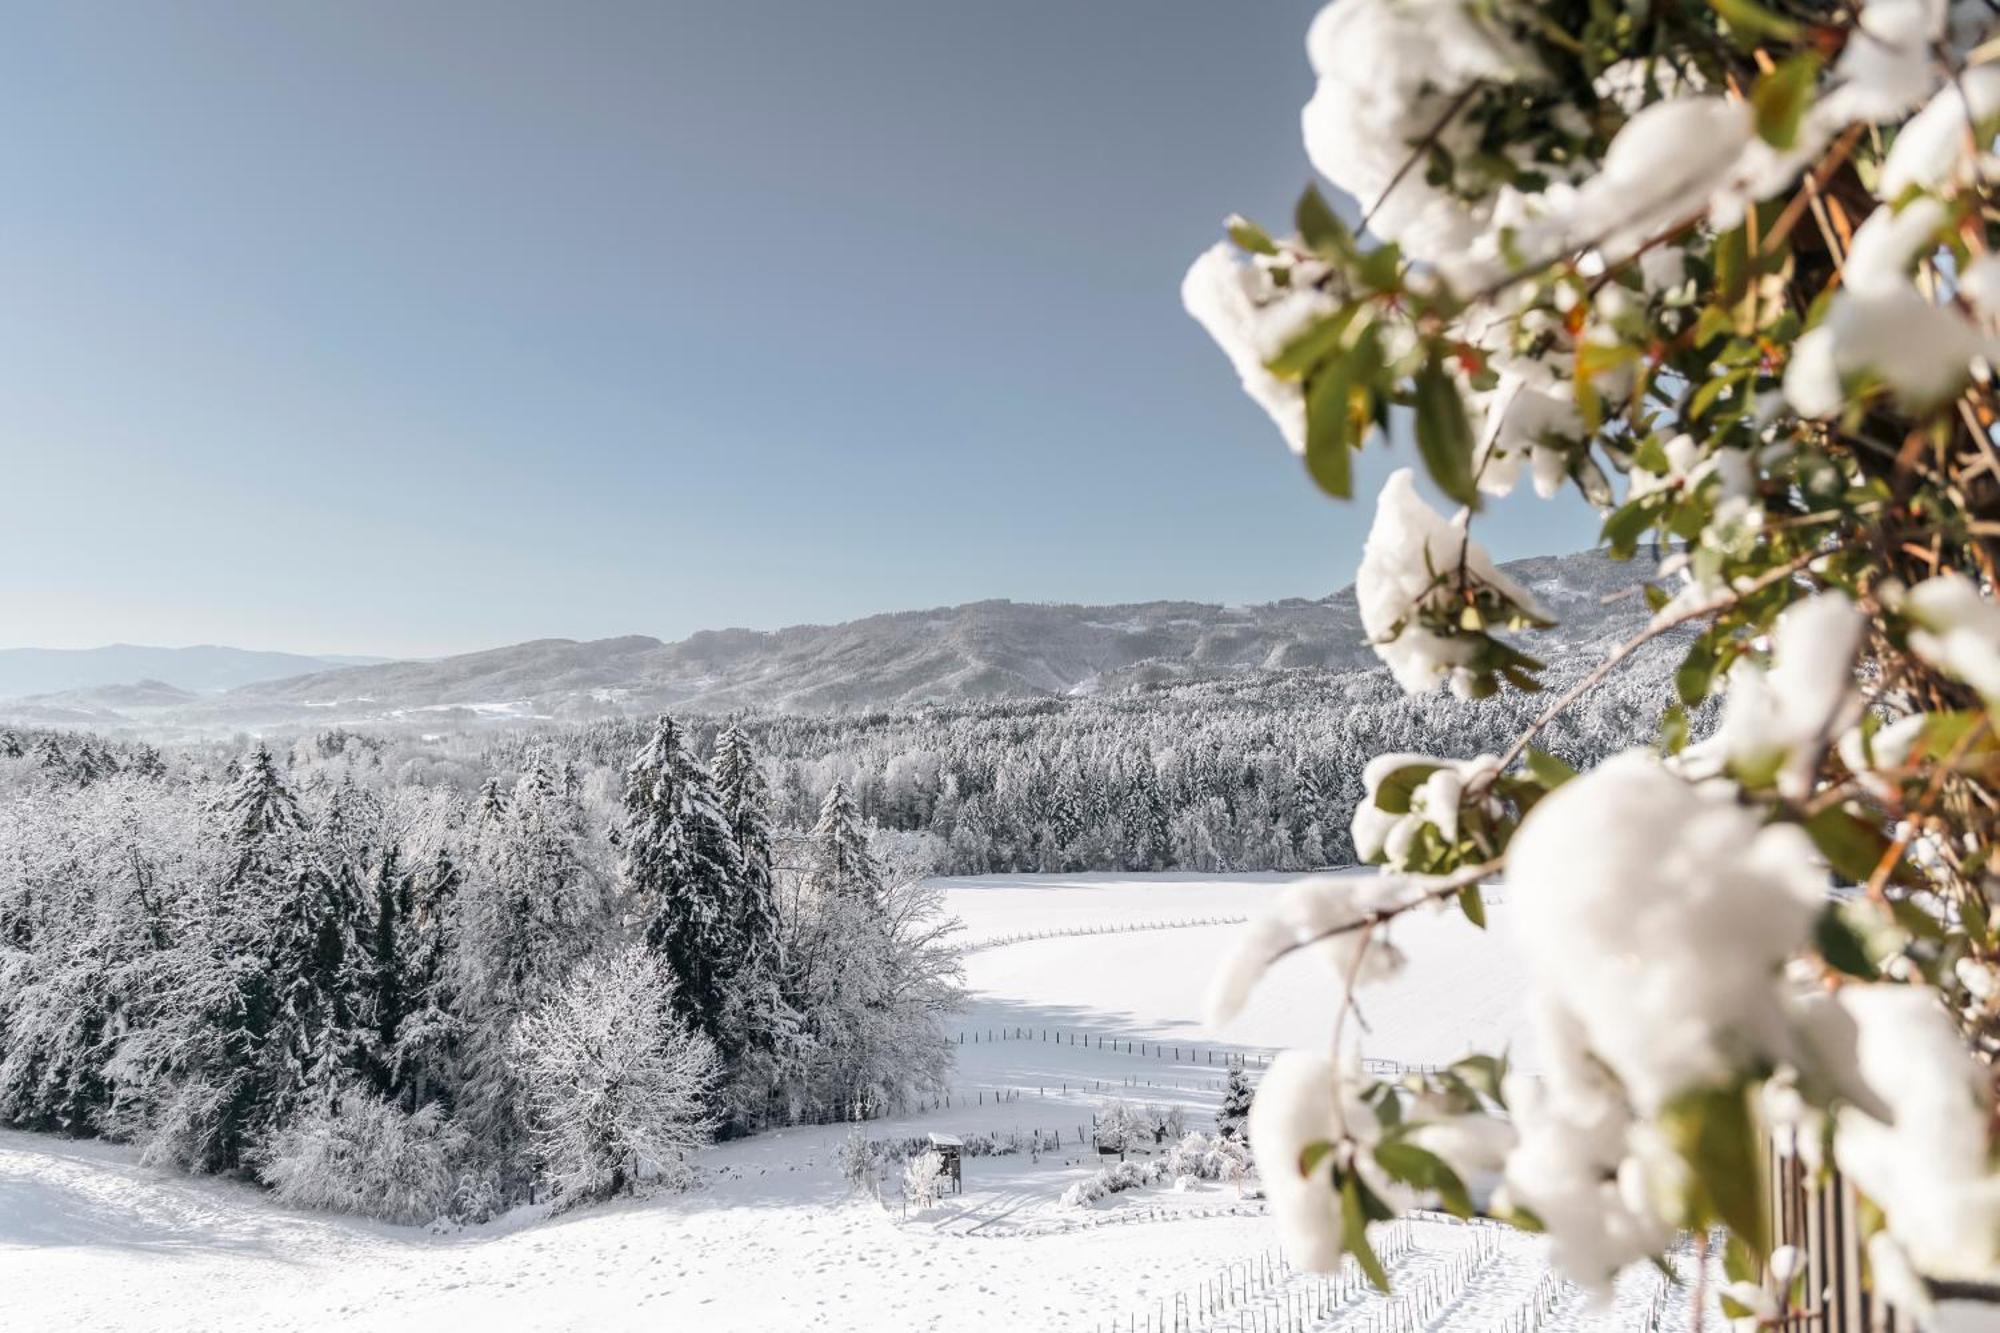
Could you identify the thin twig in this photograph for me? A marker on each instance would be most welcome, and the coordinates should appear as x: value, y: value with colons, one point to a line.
x: 1660, y: 625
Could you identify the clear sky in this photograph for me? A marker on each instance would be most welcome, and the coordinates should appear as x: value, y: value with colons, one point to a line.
x: 415, y: 328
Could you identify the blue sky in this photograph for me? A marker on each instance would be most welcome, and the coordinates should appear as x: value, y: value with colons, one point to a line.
x: 411, y: 329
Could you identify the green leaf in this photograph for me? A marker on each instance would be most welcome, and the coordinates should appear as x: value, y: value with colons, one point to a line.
x: 1624, y: 526
x: 1942, y: 733
x: 1425, y: 1170
x: 1474, y: 907
x: 1329, y: 409
x: 1715, y: 1133
x: 1696, y: 675
x: 1444, y: 433
x: 1550, y: 771
x: 1850, y: 844
x: 1312, y: 1155
x: 1738, y: 1263
x: 1674, y: 730
x: 1304, y: 351
x: 1381, y: 268
x: 1487, y: 1073
x: 1356, y: 1204
x: 1251, y: 237
x: 1781, y: 98
x: 1750, y: 20
x: 1841, y: 946
x: 1318, y: 225
x: 1393, y: 793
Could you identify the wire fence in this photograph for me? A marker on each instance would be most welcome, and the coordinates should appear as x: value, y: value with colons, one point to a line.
x: 1179, y: 1052
x: 1123, y: 928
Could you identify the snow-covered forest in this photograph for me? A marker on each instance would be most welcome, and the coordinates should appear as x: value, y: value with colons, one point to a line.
x: 1256, y: 772
x: 374, y: 970
x: 406, y: 992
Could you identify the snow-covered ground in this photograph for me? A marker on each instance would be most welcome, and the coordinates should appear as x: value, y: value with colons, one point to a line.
x: 774, y: 1241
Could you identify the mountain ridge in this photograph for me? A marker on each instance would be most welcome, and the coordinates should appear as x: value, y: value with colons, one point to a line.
x: 989, y: 649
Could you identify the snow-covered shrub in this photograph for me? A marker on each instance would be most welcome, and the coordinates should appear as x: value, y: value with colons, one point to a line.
x: 1728, y: 275
x: 619, y: 1087
x: 1216, y: 1157
x: 1114, y: 1180
x: 354, y: 1153
x: 1168, y: 1122
x: 920, y: 1179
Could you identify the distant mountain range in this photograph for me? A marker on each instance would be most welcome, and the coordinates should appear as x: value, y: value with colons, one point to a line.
x: 203, y: 670
x: 982, y: 650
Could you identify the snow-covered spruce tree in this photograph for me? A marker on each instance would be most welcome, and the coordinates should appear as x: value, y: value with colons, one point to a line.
x: 417, y: 1053
x: 1235, y: 1108
x: 619, y: 1085
x: 533, y: 907
x: 757, y: 1029
x: 1722, y: 270
x: 841, y: 865
x: 681, y: 872
x: 220, y: 1061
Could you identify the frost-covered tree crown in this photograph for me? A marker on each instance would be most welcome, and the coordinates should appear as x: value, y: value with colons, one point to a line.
x: 1720, y: 270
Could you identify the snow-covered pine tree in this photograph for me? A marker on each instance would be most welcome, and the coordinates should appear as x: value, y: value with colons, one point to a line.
x: 1235, y: 1108
x: 679, y: 866
x: 533, y: 910
x: 840, y: 862
x: 757, y: 1027
x: 263, y: 819
x: 744, y: 799
x: 388, y: 986
x: 218, y: 1074
x: 418, y: 1057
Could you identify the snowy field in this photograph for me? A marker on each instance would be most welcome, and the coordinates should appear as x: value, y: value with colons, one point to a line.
x: 1108, y: 1002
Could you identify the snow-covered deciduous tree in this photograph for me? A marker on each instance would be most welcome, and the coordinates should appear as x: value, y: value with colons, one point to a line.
x: 1723, y: 272
x: 1122, y: 1127
x: 921, y: 1175
x: 619, y: 1086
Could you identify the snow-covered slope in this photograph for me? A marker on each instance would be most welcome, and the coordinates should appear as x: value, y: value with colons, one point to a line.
x: 1107, y: 1003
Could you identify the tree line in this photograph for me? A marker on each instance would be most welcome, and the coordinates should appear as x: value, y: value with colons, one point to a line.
x: 415, y: 999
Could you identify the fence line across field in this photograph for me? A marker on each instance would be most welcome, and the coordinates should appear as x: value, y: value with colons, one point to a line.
x: 1008, y: 1095
x: 1122, y: 928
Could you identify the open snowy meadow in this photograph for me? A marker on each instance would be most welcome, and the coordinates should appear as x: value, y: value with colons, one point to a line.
x: 1084, y: 989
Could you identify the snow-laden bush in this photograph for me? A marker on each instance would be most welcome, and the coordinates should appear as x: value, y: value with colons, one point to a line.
x: 1218, y: 1157
x: 619, y: 1087
x: 1727, y: 273
x: 1195, y: 1157
x: 1114, y: 1180
x: 354, y: 1153
x: 920, y: 1179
